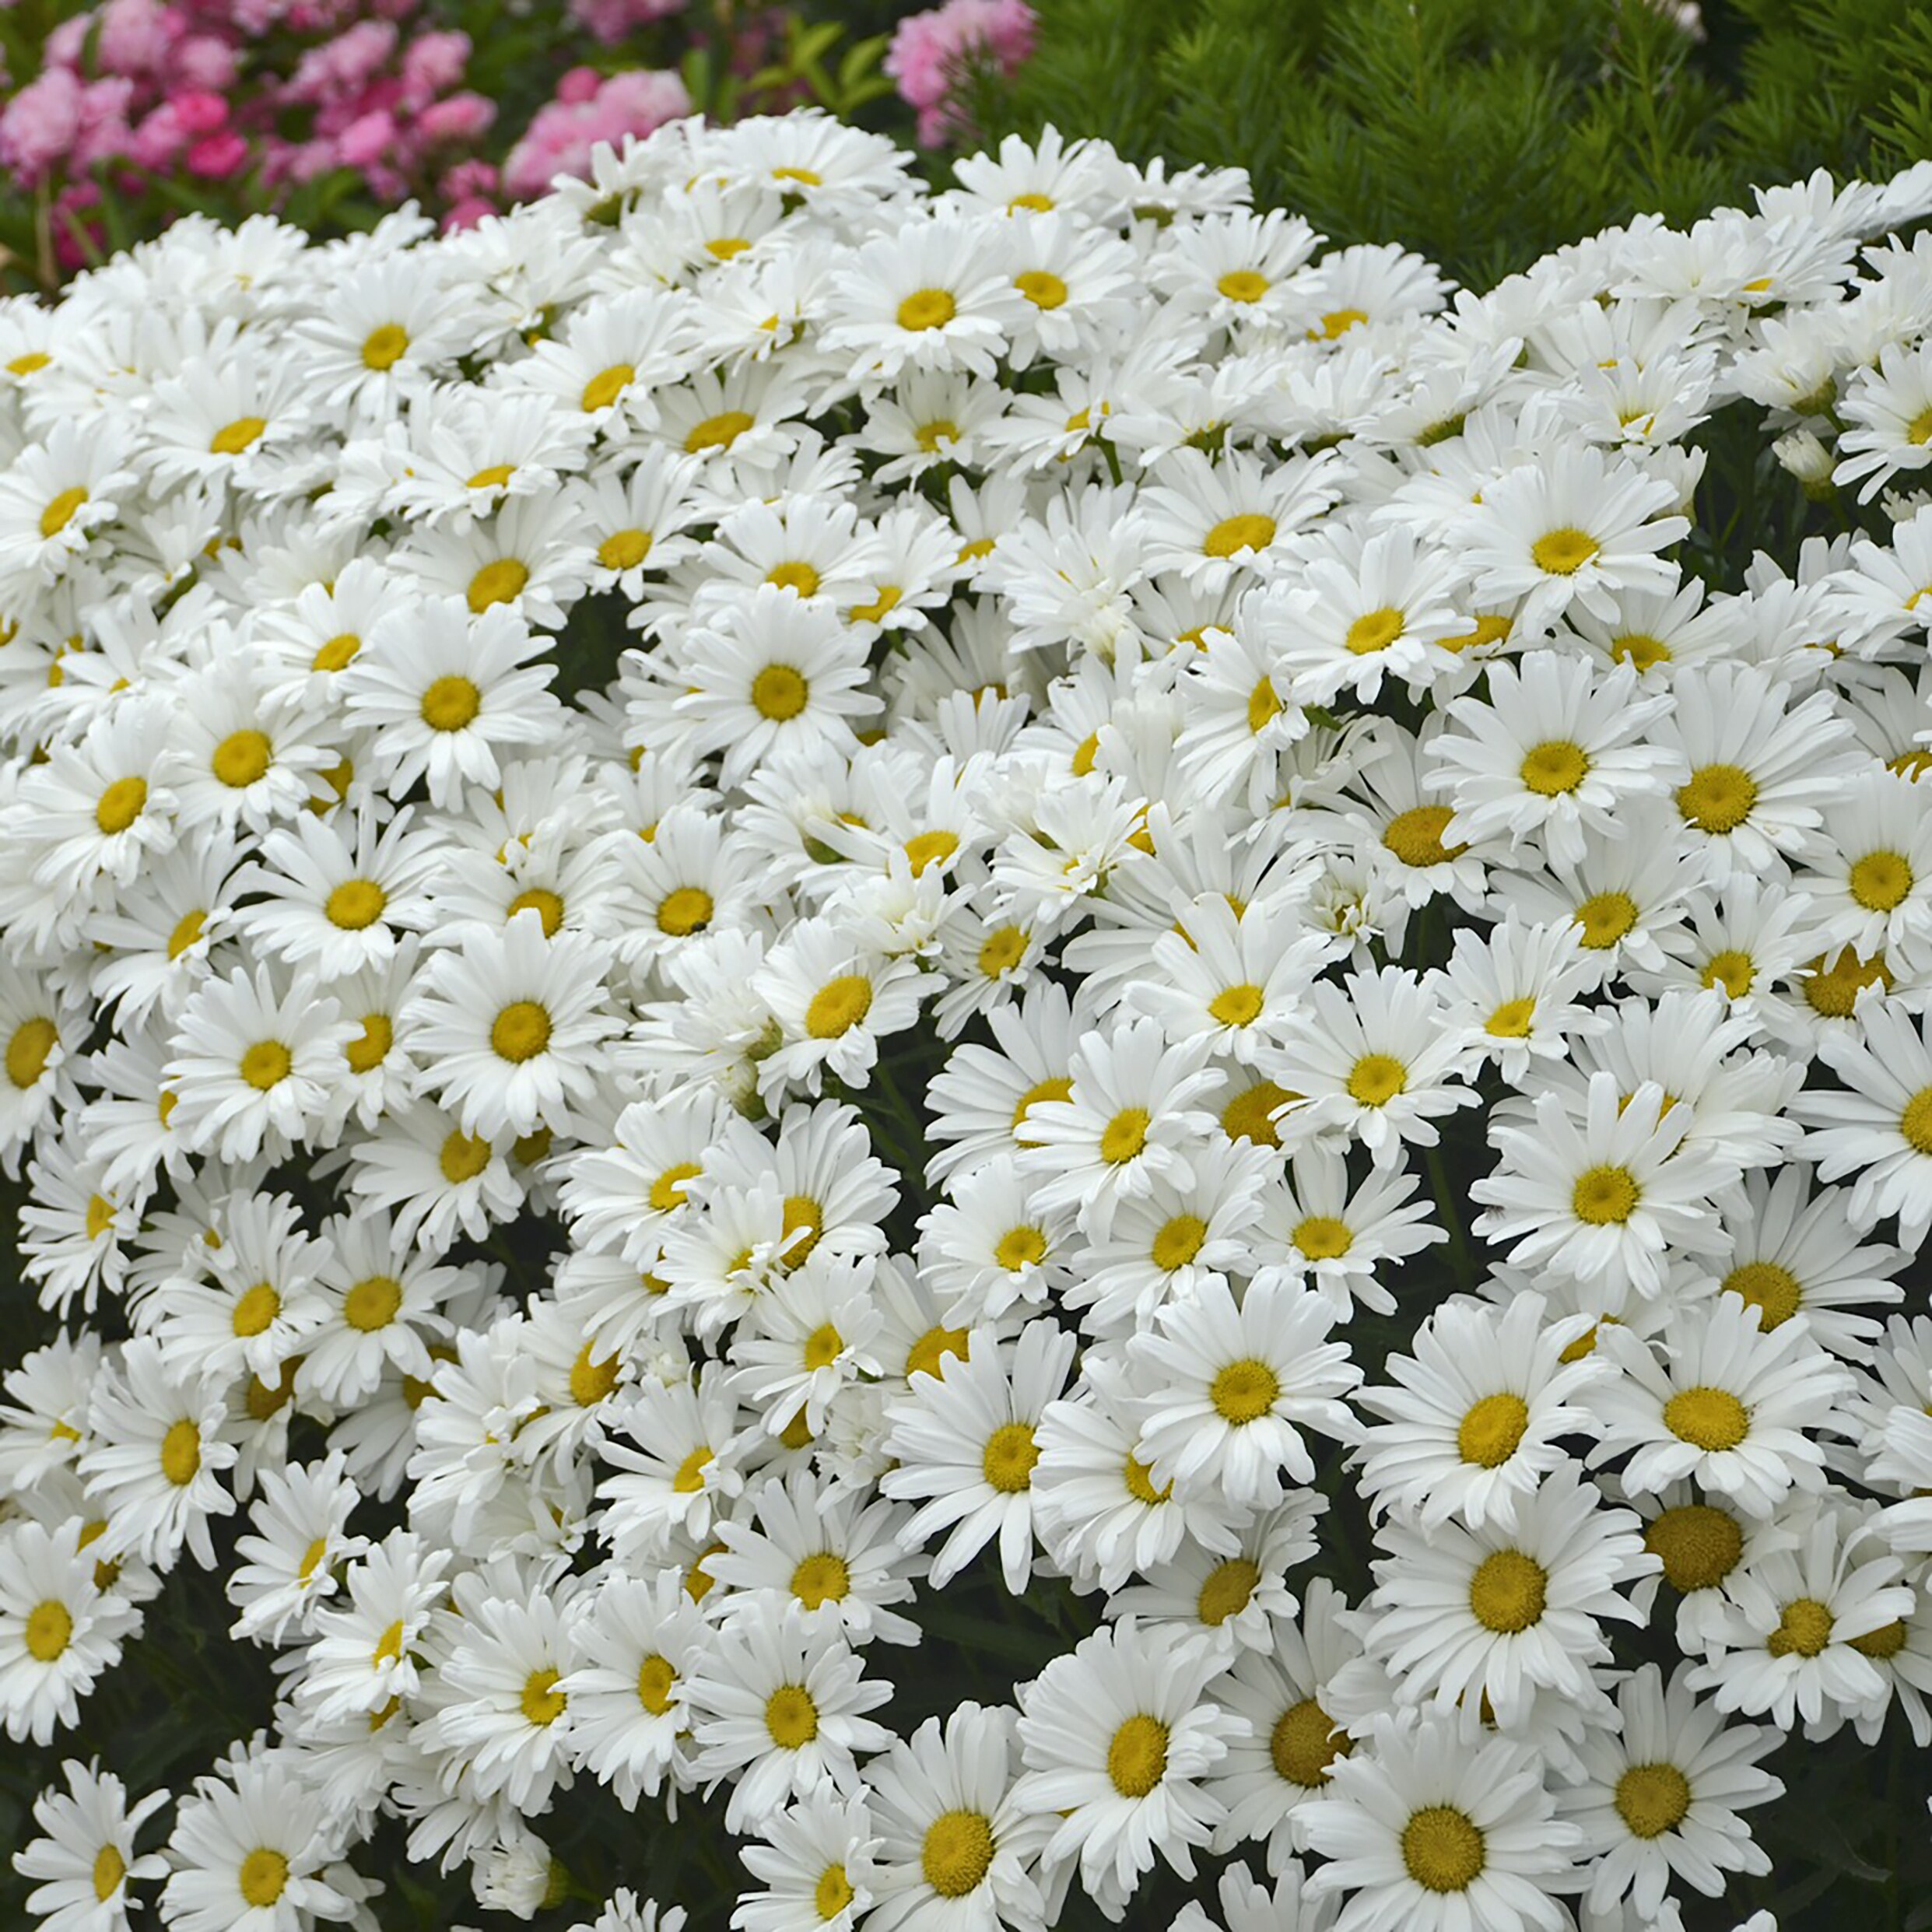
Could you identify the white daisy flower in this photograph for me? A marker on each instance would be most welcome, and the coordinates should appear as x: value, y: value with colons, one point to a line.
x: 1115, y: 1735
x: 1880, y: 1130
x: 58, y: 1631
x: 84, y: 1858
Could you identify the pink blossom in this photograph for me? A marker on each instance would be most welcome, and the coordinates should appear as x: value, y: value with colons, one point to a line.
x: 434, y: 63
x: 66, y: 43
x: 200, y: 112
x: 607, y: 21
x: 458, y: 118
x: 216, y: 157
x: 560, y: 139
x: 202, y: 60
x: 931, y: 51
x: 364, y: 137
x: 136, y: 36
x: 39, y: 124
x: 581, y: 84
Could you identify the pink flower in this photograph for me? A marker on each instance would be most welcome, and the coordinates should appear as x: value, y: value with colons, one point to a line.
x: 460, y: 118
x: 136, y: 36
x: 467, y: 213
x: 607, y: 21
x: 364, y: 137
x: 200, y: 113
x: 579, y: 85
x: 560, y: 139
x: 216, y: 157
x: 932, y: 51
x: 40, y: 123
x: 434, y: 63
x: 201, y: 60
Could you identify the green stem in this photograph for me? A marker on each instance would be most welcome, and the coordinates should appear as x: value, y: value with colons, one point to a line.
x: 1446, y: 1205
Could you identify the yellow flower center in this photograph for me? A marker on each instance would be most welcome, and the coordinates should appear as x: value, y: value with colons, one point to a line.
x: 832, y: 1893
x: 1490, y: 1431
x: 1019, y: 1248
x: 1653, y: 1798
x: 791, y: 1717
x: 109, y: 1869
x: 1605, y: 918
x: 494, y: 477
x: 1041, y: 288
x: 1136, y: 1758
x: 799, y: 577
x: 606, y: 386
x: 234, y: 437
x: 1373, y: 631
x: 1554, y: 767
x: 624, y: 549
x: 1506, y: 1593
x: 1605, y: 1196
x: 1244, y: 1391
x: 1919, y: 428
x: 719, y: 432
x: 545, y: 903
x: 656, y: 1680
x: 1250, y: 532
x: 1415, y: 836
x: 1236, y: 1005
x: 337, y: 652
x: 60, y: 513
x: 372, y: 1303
x: 383, y: 347
x: 839, y: 1005
x: 356, y: 903
x: 592, y: 1380
x: 498, y: 583
x: 957, y: 1852
x: 370, y: 1048
x: 690, y: 1478
x: 1805, y: 1628
x: 265, y: 1876
x: 451, y: 703
x: 1263, y: 705
x: 1249, y: 1116
x: 1916, y: 1123
x: 25, y: 365
x: 929, y: 1351
x: 1304, y: 1743
x: 778, y: 693
x: 1227, y: 1591
x: 265, y: 1064
x: 1140, y: 1482
x: 821, y: 1578
x: 1563, y: 552
x: 822, y: 1346
x: 929, y: 435
x: 1734, y: 971
x: 1880, y: 880
x: 1123, y: 1137
x: 49, y: 1626
x: 1718, y: 799
x: 1711, y: 1419
x: 1697, y: 1545
x: 929, y: 848
x: 1773, y: 1291
x: 1178, y: 1242
x: 927, y: 308
x: 1831, y: 990
x: 1008, y: 1462
x: 1001, y: 950
x: 28, y: 1050
x: 1442, y: 1851
x: 241, y: 758
x: 182, y: 1453
x: 1323, y: 1238
x: 1887, y: 1641
x: 1243, y: 285
x: 311, y: 1558
x: 667, y: 1191
x: 543, y: 1702
x: 120, y: 804
x: 521, y: 1032
x: 255, y: 1310
x: 1375, y: 1079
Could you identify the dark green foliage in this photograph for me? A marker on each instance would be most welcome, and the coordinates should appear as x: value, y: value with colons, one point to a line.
x: 1484, y: 132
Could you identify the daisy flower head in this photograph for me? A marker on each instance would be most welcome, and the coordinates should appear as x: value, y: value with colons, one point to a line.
x: 1732, y: 1407
x: 1115, y: 1736
x: 1208, y: 521
x: 1433, y: 1827
x: 957, y: 1849
x: 84, y: 1858
x: 1601, y: 1197
x: 513, y: 1026
x: 1499, y: 1612
x: 1475, y: 1414
x: 831, y: 1002
x: 1516, y: 989
x: 58, y: 1630
x: 816, y: 1863
x: 965, y: 1438
x: 784, y: 1711
x: 254, y: 1063
x: 1335, y: 1235
x: 443, y: 694
x: 1661, y: 1793
x: 1880, y: 1127
x: 1582, y: 528
x: 1224, y: 1387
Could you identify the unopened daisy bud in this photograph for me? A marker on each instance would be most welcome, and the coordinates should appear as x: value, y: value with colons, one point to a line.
x: 1807, y: 458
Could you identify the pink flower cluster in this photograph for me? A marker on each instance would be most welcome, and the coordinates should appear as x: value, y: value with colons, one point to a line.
x: 588, y: 109
x: 283, y: 91
x: 932, y: 51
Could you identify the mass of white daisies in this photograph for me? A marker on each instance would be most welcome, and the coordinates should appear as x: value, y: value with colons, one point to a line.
x: 760, y: 893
